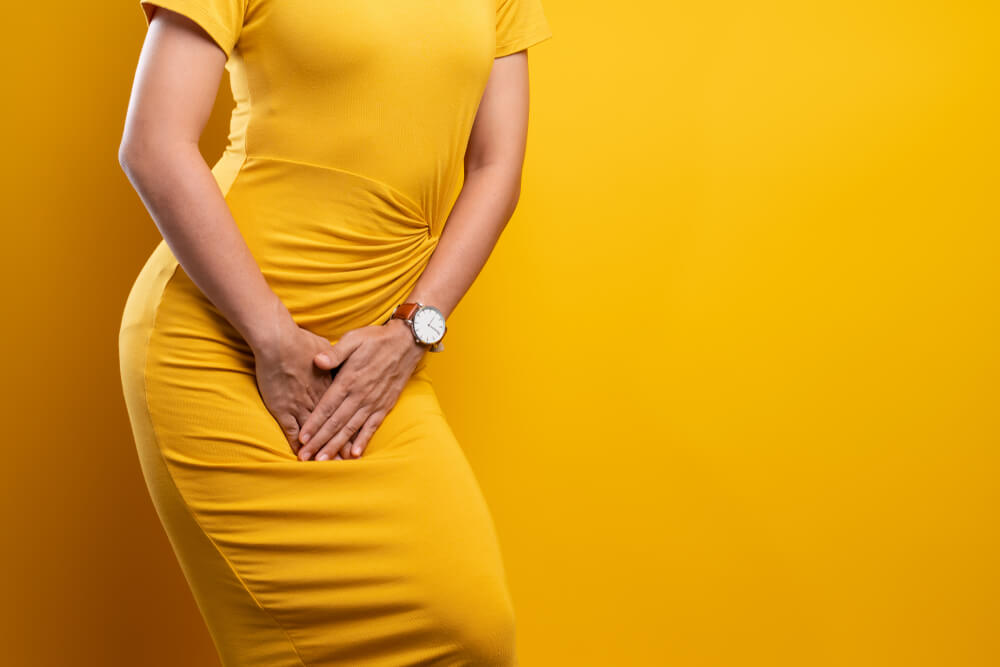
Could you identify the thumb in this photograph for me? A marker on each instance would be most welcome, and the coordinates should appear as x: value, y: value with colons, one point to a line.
x: 334, y: 356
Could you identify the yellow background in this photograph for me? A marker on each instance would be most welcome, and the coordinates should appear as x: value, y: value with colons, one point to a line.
x: 729, y: 381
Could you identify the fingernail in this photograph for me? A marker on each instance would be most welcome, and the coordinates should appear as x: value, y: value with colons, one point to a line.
x: 357, y: 450
x: 325, y: 359
x: 322, y: 457
x: 304, y: 437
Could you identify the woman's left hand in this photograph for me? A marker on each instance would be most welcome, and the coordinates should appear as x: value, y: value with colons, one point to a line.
x: 377, y: 362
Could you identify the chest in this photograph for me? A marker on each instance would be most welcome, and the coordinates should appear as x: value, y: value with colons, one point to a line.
x: 409, y: 38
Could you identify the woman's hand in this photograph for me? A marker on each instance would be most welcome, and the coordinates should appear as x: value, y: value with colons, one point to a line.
x: 376, y: 363
x: 289, y: 382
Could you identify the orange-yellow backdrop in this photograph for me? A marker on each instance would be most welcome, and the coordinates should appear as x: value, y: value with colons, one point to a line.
x: 729, y: 381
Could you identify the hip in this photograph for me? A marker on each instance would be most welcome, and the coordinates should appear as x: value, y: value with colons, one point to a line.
x: 165, y: 300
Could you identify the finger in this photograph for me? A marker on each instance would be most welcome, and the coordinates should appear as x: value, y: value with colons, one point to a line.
x: 330, y: 427
x: 332, y: 399
x: 290, y: 427
x: 338, y: 352
x: 345, y: 449
x: 349, y: 448
x: 334, y: 423
x: 343, y: 436
x: 360, y: 442
x: 346, y: 444
x: 316, y: 389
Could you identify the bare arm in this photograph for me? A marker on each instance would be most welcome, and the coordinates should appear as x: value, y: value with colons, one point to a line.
x: 176, y: 82
x: 341, y: 425
x: 493, y: 162
x: 175, y: 86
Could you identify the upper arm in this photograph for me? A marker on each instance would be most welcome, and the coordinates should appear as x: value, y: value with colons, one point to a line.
x: 221, y: 20
x: 500, y: 130
x: 179, y: 70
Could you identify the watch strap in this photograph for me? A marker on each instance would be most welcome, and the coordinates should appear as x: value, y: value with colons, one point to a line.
x: 405, y: 311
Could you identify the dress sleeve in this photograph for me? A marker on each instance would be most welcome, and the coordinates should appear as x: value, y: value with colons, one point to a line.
x: 221, y: 19
x: 520, y: 24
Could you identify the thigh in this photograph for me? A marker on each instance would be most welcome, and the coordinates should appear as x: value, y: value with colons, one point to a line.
x: 391, y: 557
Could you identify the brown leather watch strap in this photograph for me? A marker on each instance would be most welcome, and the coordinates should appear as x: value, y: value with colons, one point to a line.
x: 405, y: 311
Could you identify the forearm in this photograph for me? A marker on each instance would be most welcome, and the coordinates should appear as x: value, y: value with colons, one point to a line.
x: 478, y: 218
x: 185, y: 202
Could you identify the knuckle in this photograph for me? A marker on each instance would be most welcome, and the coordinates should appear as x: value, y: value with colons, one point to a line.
x: 366, y: 432
x: 320, y: 440
x: 323, y: 410
x: 330, y: 440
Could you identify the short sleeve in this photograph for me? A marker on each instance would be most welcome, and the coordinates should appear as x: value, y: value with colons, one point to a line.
x: 221, y: 19
x: 520, y: 24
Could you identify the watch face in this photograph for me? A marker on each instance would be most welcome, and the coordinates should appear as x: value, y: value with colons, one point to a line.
x: 428, y: 324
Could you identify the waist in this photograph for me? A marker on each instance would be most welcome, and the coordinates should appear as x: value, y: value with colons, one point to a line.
x: 339, y: 249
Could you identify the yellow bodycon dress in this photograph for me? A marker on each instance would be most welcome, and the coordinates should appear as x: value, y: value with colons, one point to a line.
x: 344, y: 157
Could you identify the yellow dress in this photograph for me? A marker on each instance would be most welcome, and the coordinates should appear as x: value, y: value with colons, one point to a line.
x: 344, y: 158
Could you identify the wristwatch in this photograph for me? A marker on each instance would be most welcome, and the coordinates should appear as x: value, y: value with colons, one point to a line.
x: 426, y: 323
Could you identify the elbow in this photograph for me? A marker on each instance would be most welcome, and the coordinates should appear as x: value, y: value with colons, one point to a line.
x: 139, y: 155
x: 137, y: 159
x: 136, y: 150
x: 512, y: 177
x: 129, y: 156
x: 515, y: 197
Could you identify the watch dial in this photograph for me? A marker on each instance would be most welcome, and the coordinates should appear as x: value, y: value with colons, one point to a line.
x: 428, y: 324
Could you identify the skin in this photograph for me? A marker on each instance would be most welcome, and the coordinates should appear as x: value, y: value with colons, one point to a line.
x: 322, y: 419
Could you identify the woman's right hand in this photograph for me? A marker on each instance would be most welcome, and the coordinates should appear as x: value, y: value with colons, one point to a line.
x: 288, y: 379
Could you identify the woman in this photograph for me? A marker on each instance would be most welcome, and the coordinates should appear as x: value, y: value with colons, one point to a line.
x: 273, y: 347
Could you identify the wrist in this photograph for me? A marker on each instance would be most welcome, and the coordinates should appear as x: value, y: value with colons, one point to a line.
x: 403, y: 331
x: 270, y: 328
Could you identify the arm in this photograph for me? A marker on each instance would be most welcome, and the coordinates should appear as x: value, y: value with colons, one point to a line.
x: 492, y: 187
x: 159, y: 154
x: 493, y: 163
